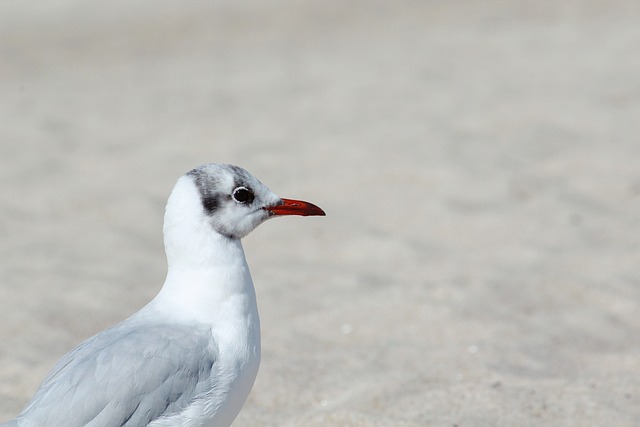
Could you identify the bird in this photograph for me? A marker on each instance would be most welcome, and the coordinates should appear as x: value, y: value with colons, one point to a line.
x: 191, y: 355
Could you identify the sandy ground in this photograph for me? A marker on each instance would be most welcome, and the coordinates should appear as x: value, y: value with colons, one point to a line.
x: 479, y: 163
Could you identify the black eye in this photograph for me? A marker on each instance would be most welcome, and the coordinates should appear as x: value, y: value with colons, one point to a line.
x: 243, y: 195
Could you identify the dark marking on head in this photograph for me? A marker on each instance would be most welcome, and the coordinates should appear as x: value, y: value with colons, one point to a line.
x: 241, y: 177
x: 206, y: 184
x: 211, y: 203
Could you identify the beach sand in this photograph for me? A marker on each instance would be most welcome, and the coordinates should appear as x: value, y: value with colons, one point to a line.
x: 478, y: 163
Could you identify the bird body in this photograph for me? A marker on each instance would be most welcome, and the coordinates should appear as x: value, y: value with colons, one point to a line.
x: 191, y: 355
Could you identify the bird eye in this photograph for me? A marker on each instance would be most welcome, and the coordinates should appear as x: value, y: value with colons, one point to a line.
x: 243, y: 195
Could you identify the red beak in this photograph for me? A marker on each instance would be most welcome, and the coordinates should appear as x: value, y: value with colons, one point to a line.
x: 295, y: 207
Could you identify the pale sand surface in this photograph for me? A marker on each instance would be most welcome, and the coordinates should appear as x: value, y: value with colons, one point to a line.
x: 479, y: 163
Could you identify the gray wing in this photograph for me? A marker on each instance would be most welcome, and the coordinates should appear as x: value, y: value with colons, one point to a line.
x: 128, y: 375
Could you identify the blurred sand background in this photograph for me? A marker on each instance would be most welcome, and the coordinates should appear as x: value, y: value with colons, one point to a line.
x: 479, y: 163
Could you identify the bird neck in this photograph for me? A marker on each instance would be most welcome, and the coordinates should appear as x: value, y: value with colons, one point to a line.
x: 207, y: 278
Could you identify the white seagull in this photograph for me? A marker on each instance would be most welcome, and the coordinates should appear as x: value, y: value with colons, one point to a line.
x: 190, y: 356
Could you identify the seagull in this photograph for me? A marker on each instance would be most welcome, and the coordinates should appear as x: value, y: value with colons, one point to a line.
x: 191, y: 355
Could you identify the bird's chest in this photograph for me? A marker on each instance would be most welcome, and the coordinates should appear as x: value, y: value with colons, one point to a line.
x: 237, y: 358
x: 235, y: 372
x: 235, y: 350
x: 238, y: 351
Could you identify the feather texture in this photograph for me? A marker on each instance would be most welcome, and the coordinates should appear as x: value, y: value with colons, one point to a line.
x: 126, y: 376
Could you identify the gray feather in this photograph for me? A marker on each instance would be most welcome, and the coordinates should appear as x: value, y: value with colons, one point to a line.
x: 125, y: 377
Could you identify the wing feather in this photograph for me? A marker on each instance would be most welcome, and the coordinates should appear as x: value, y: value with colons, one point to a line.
x: 126, y: 376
